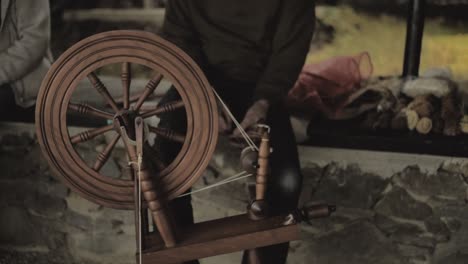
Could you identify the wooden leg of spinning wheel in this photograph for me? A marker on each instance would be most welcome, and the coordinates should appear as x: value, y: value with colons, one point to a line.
x: 138, y: 231
x: 141, y: 228
x: 251, y: 257
x: 158, y: 211
x: 144, y: 222
x: 155, y: 201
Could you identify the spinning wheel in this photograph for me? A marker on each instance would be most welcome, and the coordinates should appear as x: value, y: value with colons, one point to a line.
x: 126, y: 121
x: 125, y: 48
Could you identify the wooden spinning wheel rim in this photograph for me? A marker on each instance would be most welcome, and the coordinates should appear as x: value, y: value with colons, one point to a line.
x: 135, y: 47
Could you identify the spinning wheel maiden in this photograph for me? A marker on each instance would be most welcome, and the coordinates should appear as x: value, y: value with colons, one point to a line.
x: 125, y: 122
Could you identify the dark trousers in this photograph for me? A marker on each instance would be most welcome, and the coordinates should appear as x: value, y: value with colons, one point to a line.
x: 10, y: 111
x: 285, y: 181
x: 7, y: 99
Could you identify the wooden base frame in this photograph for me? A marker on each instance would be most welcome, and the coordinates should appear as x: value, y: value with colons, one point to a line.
x: 219, y: 237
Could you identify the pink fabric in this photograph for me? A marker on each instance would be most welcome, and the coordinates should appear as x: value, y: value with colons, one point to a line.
x: 325, y: 86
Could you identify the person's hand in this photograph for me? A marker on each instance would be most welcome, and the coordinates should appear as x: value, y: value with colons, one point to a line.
x: 256, y: 114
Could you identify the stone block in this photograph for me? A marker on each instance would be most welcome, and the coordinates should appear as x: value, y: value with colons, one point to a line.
x: 16, y: 192
x: 81, y: 205
x: 456, y: 249
x: 399, y: 203
x: 389, y: 225
x: 312, y: 175
x: 358, y: 243
x: 403, y: 232
x: 78, y: 221
x: 12, y: 257
x: 438, y: 228
x: 443, y: 183
x: 102, y: 248
x: 415, y: 254
x: 423, y: 241
x: 46, y: 206
x: 456, y: 258
x: 349, y: 187
x: 15, y: 141
x: 53, y: 188
x: 452, y: 223
x: 339, y: 220
x: 17, y: 229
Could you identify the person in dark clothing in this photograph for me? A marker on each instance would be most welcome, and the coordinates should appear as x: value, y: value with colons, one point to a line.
x: 263, y: 42
x: 251, y: 52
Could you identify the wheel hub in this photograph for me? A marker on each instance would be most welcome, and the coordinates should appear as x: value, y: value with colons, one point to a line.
x: 126, y: 118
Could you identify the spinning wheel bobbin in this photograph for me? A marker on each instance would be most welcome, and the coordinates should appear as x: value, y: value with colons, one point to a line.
x: 258, y: 209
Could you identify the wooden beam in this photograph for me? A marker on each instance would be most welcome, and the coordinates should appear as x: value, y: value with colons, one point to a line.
x: 153, y: 15
x: 148, y: 4
x: 219, y: 237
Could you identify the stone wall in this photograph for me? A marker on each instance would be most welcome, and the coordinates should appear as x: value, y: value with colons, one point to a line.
x: 41, y: 221
x: 397, y: 213
x: 412, y: 217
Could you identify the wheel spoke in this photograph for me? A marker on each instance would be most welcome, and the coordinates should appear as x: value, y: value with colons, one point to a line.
x: 149, y: 89
x: 156, y: 157
x: 169, y: 107
x: 168, y: 134
x: 104, y: 156
x: 90, y: 134
x: 132, y: 98
x: 101, y: 88
x: 126, y: 81
x: 85, y: 109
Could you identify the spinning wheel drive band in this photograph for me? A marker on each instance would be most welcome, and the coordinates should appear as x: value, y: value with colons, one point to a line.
x: 125, y: 48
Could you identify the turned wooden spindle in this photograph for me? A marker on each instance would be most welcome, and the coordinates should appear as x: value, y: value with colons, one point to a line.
x: 90, y: 134
x: 149, y: 89
x: 126, y: 81
x: 258, y: 209
x: 156, y: 205
x: 168, y: 134
x: 262, y: 170
x: 101, y: 88
x: 85, y: 109
x: 309, y: 212
x: 104, y: 155
x: 162, y: 109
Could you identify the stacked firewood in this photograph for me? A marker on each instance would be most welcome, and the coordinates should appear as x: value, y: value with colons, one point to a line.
x: 425, y: 105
